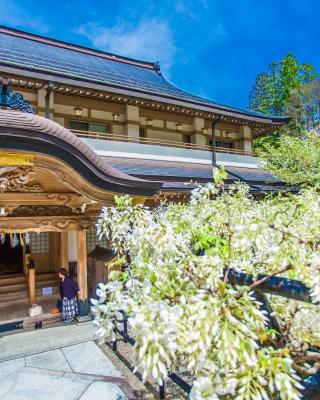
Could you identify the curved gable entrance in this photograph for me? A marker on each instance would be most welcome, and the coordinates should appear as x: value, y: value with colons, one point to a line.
x: 52, y: 188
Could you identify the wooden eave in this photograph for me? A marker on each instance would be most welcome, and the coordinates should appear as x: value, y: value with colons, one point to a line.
x: 67, y: 86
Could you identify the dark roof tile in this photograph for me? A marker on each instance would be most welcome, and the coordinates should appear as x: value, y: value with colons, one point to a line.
x: 183, y: 171
x: 50, y: 56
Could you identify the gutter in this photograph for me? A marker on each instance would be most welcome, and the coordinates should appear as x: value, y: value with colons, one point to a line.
x: 47, y: 98
x: 214, y: 160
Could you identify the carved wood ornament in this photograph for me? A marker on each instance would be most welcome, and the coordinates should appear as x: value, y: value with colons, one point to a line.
x: 15, y: 179
x: 41, y: 210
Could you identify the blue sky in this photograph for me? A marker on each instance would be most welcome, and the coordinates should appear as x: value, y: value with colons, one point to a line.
x: 213, y: 48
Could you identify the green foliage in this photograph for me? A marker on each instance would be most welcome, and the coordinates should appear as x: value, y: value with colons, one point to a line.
x: 294, y: 160
x: 263, y: 143
x: 272, y: 90
x: 304, y: 107
x: 288, y: 88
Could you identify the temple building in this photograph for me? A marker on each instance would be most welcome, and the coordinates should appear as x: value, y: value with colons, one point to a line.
x: 78, y: 126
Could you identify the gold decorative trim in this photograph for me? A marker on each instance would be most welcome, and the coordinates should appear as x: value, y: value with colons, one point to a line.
x: 11, y: 159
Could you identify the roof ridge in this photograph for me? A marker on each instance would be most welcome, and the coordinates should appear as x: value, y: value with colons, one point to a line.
x: 75, y: 47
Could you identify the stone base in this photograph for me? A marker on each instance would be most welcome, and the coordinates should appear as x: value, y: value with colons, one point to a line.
x: 83, y: 308
x: 85, y: 318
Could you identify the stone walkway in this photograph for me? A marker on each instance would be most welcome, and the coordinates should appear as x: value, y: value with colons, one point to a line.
x: 75, y: 371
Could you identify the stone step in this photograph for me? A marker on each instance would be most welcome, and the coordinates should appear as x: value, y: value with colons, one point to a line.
x: 23, y: 295
x: 7, y: 303
x: 47, y: 276
x: 14, y: 288
x: 12, y: 280
x: 20, y: 287
x: 8, y: 280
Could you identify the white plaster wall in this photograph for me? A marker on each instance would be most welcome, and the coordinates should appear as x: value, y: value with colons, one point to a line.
x: 119, y: 130
x: 59, y: 120
x: 104, y: 115
x: 155, y: 152
x: 63, y: 109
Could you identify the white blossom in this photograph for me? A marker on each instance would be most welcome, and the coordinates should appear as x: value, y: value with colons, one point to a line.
x: 182, y: 308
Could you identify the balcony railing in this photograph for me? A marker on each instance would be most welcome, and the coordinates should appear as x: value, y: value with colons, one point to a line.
x: 158, y: 142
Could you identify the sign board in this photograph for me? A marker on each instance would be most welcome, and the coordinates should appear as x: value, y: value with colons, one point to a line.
x: 47, y: 291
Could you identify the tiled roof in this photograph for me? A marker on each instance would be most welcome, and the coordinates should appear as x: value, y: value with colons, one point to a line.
x: 180, y: 171
x: 27, y: 51
x: 18, y: 129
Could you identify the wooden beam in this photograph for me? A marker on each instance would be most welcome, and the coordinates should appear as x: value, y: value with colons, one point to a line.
x: 43, y: 224
x: 69, y: 199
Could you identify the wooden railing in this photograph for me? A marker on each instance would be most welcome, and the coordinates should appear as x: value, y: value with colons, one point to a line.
x: 158, y: 142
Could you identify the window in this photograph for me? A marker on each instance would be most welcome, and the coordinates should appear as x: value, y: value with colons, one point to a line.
x: 93, y: 241
x: 222, y: 143
x: 142, y: 132
x: 40, y: 243
x: 89, y: 126
x: 186, y: 138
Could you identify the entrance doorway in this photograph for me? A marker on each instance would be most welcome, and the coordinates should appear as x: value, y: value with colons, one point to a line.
x: 11, y: 255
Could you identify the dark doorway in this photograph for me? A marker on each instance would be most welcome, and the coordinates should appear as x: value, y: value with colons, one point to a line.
x: 11, y: 257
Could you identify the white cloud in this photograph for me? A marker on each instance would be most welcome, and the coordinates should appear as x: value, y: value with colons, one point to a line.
x: 150, y: 40
x: 219, y: 30
x: 12, y: 15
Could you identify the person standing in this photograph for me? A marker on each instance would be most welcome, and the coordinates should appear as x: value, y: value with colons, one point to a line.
x: 68, y: 293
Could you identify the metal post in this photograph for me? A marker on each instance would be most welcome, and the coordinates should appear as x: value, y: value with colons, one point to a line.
x: 214, y: 158
x: 114, y: 343
x: 125, y: 328
x: 47, y: 99
x: 161, y: 392
x: 213, y: 136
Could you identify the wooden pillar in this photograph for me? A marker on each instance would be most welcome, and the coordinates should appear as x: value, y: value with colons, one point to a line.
x: 245, y: 142
x: 64, y: 253
x: 32, y: 285
x: 132, y: 121
x: 54, y: 251
x: 82, y: 272
x: 198, y: 136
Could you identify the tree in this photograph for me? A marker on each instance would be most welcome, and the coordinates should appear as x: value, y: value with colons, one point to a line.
x: 288, y: 88
x: 272, y: 90
x: 183, y: 308
x: 294, y: 160
x: 304, y: 107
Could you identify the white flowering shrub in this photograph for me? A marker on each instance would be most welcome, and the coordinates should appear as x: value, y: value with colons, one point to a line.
x: 184, y: 310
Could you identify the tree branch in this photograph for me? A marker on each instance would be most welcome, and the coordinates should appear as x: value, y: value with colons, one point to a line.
x: 308, y: 371
x: 265, y: 278
x: 309, y: 356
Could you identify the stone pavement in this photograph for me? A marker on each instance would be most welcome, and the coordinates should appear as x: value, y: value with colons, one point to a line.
x: 58, y: 363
